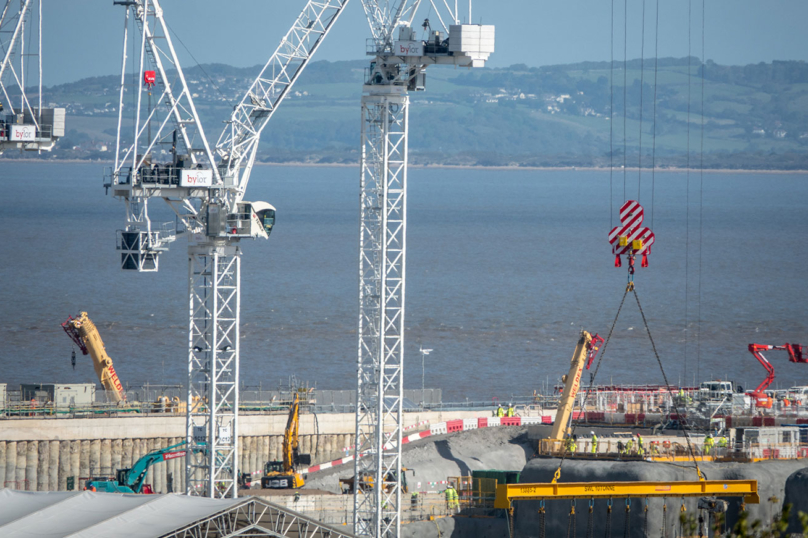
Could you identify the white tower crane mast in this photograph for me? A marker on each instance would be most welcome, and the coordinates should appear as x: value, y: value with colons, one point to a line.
x: 399, y: 62
x: 206, y: 196
x: 24, y: 124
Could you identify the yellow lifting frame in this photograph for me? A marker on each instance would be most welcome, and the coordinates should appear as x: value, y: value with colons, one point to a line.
x: 507, y: 493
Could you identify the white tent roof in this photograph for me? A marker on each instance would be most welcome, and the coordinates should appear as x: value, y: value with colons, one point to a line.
x: 91, y: 514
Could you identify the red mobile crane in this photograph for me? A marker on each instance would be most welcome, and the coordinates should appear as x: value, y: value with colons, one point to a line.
x: 794, y: 355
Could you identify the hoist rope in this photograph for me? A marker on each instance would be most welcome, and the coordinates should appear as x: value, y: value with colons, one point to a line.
x: 625, y: 91
x: 627, y: 526
x: 653, y: 144
x: 590, y: 522
x: 642, y: 88
x: 542, y: 521
x: 687, y: 194
x: 571, y: 524
x: 701, y: 194
x: 611, y: 127
x: 594, y: 375
x: 664, y: 518
x: 665, y: 378
x: 608, y: 527
x: 645, y: 518
x: 191, y: 54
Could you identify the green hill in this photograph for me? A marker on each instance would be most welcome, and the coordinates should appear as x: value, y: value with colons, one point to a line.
x: 755, y: 116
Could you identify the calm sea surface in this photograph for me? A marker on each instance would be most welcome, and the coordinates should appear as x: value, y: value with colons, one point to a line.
x: 504, y: 267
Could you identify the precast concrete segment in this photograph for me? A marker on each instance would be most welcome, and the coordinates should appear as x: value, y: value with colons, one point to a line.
x: 2, y: 462
x: 771, y: 477
x: 11, y: 464
x: 84, y: 463
x: 75, y: 448
x: 53, y: 465
x: 64, y: 464
x: 22, y: 447
x: 31, y: 462
x: 42, y: 471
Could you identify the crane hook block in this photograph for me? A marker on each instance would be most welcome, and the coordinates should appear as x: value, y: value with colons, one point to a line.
x: 630, y: 237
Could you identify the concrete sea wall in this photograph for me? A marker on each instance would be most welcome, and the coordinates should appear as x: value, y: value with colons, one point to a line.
x: 41, y: 454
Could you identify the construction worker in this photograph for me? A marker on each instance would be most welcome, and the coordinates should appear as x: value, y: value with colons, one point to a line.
x: 414, y: 500
x: 723, y: 443
x: 500, y: 411
x: 640, y: 448
x: 451, y: 497
x: 511, y: 410
x: 708, y: 444
x: 572, y: 446
x: 594, y: 443
x: 629, y: 446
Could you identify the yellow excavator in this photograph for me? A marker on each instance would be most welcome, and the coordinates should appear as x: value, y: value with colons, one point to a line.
x: 85, y: 335
x: 585, y: 352
x: 283, y: 474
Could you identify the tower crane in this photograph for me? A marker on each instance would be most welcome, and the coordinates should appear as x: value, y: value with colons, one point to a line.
x: 399, y: 59
x: 24, y: 123
x: 204, y: 185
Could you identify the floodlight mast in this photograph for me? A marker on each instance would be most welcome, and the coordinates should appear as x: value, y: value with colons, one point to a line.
x: 398, y: 67
x: 206, y: 197
x: 24, y: 124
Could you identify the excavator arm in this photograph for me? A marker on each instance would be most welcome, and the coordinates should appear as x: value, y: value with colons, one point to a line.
x: 291, y: 438
x: 134, y: 477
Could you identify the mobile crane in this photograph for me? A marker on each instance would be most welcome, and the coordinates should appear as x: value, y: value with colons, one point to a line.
x: 131, y: 480
x: 584, y: 354
x: 85, y: 335
x: 762, y: 399
x: 283, y: 474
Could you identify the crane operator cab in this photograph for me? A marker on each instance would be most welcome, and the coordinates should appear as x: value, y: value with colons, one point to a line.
x: 251, y: 220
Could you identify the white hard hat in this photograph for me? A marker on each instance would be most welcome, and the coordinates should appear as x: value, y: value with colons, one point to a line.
x: 591, y: 433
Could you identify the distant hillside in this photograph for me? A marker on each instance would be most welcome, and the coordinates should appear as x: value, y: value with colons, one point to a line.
x: 755, y: 116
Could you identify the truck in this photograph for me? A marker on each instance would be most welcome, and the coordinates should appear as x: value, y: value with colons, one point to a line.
x: 131, y: 480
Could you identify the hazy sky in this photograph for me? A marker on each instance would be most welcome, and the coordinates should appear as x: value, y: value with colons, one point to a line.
x: 83, y: 37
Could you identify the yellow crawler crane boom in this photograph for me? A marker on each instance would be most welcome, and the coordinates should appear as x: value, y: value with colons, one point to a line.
x: 507, y: 493
x: 587, y: 347
x: 85, y: 334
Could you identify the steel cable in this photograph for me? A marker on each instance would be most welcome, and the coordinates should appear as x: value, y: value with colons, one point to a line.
x: 594, y: 375
x: 627, y: 527
x: 608, y: 528
x: 665, y: 378
x: 590, y: 523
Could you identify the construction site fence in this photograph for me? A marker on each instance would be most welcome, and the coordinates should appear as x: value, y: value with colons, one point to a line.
x: 673, y: 449
x: 665, y: 401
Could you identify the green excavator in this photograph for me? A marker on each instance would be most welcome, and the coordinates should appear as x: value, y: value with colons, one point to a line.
x: 131, y: 480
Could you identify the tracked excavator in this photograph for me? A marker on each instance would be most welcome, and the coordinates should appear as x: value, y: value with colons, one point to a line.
x: 283, y: 474
x: 85, y: 335
x: 585, y: 352
x: 131, y: 480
